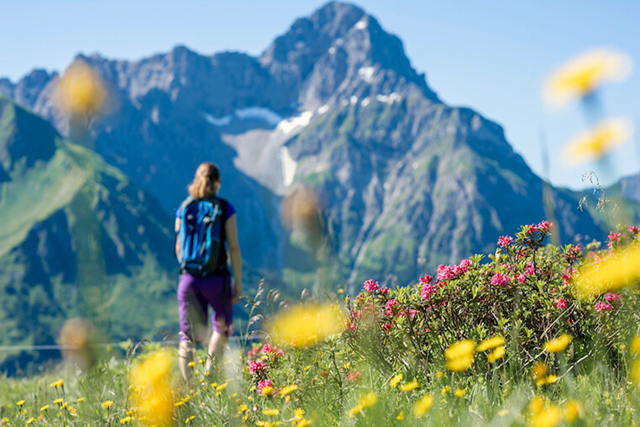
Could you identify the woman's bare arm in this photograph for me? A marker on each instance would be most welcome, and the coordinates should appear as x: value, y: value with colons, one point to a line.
x: 177, y: 241
x: 231, y: 229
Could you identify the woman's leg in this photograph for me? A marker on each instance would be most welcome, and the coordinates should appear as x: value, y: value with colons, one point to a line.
x: 185, y: 356
x: 217, y: 344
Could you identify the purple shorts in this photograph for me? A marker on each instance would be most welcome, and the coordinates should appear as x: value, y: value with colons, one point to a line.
x: 195, y: 295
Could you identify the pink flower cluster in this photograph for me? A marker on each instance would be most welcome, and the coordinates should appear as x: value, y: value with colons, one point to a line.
x: 371, y: 286
x: 633, y: 229
x: 612, y: 297
x: 353, y: 376
x: 448, y: 272
x: 614, y: 237
x: 602, y: 306
x: 268, y: 349
x: 257, y: 366
x: 388, y: 307
x: 504, y: 241
x: 428, y: 288
x: 560, y: 303
x: 500, y: 279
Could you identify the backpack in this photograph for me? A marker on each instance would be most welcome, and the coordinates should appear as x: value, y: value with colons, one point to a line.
x: 200, y: 236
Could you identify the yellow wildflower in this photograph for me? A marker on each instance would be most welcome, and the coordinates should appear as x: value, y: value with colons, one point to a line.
x: 242, y: 408
x: 222, y: 386
x: 539, y: 370
x: 596, y: 142
x: 547, y: 380
x: 558, y: 344
x: 423, y: 405
x: 126, y: 420
x: 496, y: 354
x: 80, y: 92
x: 459, y: 392
x: 550, y: 417
x: 572, y: 410
x: 355, y: 410
x: 267, y: 391
x: 271, y: 412
x: 191, y: 364
x: 152, y: 378
x: 490, y: 343
x: 460, y: 355
x: 613, y: 272
x: 395, y: 381
x: 57, y: 384
x: 80, y: 399
x: 20, y: 402
x: 188, y: 420
x: 44, y: 408
x: 107, y: 404
x: 582, y: 75
x: 303, y: 423
x: 634, y: 372
x: 298, y: 414
x: 446, y: 389
x: 58, y: 401
x: 305, y: 325
x: 288, y: 389
x: 412, y: 385
x: 439, y: 374
x: 536, y: 405
x: 30, y: 420
x: 635, y: 345
x: 368, y: 400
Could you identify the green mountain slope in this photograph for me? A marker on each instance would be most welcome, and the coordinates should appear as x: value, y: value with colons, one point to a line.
x: 77, y: 239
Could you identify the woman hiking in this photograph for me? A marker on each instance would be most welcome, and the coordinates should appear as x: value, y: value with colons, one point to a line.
x: 204, y: 223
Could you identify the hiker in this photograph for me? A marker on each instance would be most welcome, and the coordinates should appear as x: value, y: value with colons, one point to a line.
x: 204, y: 222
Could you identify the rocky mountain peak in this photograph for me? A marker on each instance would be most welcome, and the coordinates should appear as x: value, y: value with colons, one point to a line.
x: 338, y: 52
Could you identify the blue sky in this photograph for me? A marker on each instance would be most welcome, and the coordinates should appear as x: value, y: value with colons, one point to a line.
x: 491, y: 56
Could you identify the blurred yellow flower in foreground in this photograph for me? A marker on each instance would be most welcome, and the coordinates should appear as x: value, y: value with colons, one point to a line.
x: 558, y: 344
x: 368, y: 400
x: 596, y: 142
x: 496, y: 354
x: 57, y: 384
x: 582, y: 75
x: 423, y: 405
x: 490, y: 343
x: 80, y: 92
x: 635, y: 345
x: 395, y: 381
x: 572, y: 410
x: 550, y: 417
x: 460, y: 355
x: 355, y: 410
x: 613, y: 272
x: 152, y: 384
x: 412, y: 385
x: 305, y: 325
x: 288, y: 389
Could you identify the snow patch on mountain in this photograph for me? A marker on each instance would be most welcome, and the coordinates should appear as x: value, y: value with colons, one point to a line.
x: 367, y: 73
x: 389, y: 99
x: 222, y: 121
x: 260, y: 113
x: 289, y: 167
x: 291, y: 124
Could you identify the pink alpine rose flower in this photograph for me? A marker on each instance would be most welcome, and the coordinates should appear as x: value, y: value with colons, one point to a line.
x: 256, y: 366
x: 521, y: 278
x: 353, y: 376
x: 544, y: 226
x: 371, y: 286
x: 500, y: 279
x: 560, y: 303
x: 633, y: 229
x: 614, y: 236
x: 612, y: 297
x: 448, y: 272
x: 384, y: 291
x: 504, y: 241
x: 388, y: 307
x: 602, y: 306
x: 427, y: 290
x: 465, y: 264
x: 426, y: 279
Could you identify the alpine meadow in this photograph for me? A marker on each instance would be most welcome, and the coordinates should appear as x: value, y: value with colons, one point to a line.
x: 401, y: 263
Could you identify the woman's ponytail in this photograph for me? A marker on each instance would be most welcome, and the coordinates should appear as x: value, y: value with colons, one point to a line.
x: 205, y: 182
